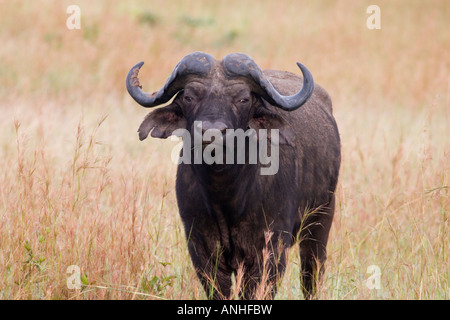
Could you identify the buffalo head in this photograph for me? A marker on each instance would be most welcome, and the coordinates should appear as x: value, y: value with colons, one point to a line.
x: 227, y: 94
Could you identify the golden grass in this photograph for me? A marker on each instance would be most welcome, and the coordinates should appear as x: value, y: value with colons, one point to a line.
x: 78, y: 188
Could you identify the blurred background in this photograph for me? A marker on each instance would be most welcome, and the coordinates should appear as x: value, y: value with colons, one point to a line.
x: 78, y: 188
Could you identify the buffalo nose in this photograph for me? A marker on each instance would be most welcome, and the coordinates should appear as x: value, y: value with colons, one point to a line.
x: 216, y: 125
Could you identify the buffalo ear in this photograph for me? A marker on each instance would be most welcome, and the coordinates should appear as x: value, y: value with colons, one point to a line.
x: 162, y: 122
x: 265, y: 119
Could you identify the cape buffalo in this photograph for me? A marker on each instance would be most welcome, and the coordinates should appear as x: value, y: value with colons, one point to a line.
x: 235, y: 217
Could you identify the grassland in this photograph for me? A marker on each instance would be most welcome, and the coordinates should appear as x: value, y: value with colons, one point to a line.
x: 78, y: 188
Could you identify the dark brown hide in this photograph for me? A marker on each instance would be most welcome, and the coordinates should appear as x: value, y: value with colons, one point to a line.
x: 232, y: 213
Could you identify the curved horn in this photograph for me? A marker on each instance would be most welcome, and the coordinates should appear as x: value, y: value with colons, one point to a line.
x: 242, y: 65
x: 197, y: 63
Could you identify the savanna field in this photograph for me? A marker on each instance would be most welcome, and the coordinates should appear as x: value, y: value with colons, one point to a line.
x: 80, y: 194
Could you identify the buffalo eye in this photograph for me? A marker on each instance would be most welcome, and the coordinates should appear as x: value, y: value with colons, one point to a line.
x: 244, y: 101
x: 188, y: 99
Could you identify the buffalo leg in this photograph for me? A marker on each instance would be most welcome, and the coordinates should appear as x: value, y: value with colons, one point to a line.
x: 212, y: 271
x: 261, y: 281
x: 217, y: 284
x: 313, y: 252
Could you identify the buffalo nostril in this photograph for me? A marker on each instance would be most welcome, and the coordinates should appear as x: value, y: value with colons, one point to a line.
x: 217, y: 125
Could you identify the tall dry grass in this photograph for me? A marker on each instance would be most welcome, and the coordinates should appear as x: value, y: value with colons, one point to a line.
x: 78, y: 188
